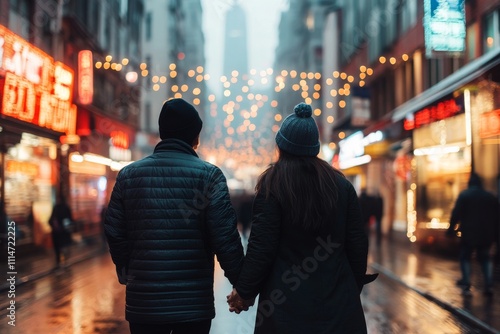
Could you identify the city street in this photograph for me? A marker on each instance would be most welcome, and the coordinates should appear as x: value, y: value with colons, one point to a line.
x: 86, y: 298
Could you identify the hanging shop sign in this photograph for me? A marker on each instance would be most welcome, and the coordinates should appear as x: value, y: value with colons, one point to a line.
x: 444, y: 27
x: 33, y: 87
x: 489, y: 124
x: 432, y: 114
x: 85, y: 77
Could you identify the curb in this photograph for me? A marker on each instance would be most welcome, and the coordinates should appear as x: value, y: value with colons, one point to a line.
x: 466, y: 316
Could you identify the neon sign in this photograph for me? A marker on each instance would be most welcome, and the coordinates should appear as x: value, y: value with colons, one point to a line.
x: 85, y: 77
x: 444, y: 26
x: 431, y: 114
x: 35, y: 88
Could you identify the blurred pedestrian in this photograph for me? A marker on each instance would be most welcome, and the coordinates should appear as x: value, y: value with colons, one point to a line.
x: 366, y: 203
x: 245, y: 214
x: 378, y: 213
x: 168, y: 215
x: 307, y: 253
x: 476, y: 215
x: 60, y: 221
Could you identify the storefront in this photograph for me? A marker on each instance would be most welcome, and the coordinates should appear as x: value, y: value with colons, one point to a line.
x: 35, y: 110
x: 455, y: 130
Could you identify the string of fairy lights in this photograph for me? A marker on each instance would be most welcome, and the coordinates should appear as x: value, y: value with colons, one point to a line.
x: 240, y: 138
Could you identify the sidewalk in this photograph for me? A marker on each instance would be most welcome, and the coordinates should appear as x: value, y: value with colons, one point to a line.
x: 434, y: 277
x: 33, y: 262
x: 428, y: 274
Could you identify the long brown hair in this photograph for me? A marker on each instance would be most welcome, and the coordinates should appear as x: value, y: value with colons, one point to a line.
x: 305, y: 187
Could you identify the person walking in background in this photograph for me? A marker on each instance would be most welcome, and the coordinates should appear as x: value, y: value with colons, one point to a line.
x: 168, y: 214
x: 59, y: 221
x: 378, y: 213
x: 366, y: 203
x: 476, y: 215
x: 307, y: 252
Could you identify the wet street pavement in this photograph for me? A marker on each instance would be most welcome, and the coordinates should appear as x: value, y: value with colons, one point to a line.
x: 86, y: 298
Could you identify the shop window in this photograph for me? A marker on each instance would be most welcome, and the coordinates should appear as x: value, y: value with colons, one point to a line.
x: 471, y: 40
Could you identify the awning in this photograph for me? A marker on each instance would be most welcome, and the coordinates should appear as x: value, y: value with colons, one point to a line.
x: 448, y: 85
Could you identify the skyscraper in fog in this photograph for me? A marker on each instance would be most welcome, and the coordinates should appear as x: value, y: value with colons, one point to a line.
x: 235, y: 42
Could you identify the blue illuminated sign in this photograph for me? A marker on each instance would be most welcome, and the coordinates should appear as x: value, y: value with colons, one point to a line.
x: 444, y: 27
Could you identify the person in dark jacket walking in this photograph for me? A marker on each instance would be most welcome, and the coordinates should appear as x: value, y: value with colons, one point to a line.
x: 476, y: 215
x: 168, y: 216
x: 307, y: 252
x: 59, y: 222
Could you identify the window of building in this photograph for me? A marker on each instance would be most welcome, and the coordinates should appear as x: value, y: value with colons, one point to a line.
x: 148, y: 25
x: 491, y: 33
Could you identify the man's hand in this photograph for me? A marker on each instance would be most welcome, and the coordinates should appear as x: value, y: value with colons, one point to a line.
x: 238, y: 304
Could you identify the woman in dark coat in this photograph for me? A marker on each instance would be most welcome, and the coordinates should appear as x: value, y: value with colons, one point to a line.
x: 307, y: 253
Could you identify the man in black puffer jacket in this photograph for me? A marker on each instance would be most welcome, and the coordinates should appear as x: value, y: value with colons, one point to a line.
x: 168, y: 215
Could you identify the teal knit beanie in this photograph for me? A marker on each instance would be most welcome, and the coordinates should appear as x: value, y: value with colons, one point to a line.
x: 299, y: 134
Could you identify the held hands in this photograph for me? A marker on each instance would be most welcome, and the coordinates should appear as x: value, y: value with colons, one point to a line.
x: 238, y: 304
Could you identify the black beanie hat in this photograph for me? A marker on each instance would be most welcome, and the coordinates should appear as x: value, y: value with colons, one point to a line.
x: 299, y: 134
x: 179, y: 119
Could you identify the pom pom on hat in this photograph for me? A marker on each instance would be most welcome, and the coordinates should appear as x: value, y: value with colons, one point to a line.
x: 299, y: 134
x: 180, y: 120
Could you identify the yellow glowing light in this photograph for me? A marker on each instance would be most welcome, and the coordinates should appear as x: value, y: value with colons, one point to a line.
x: 191, y: 73
x: 369, y: 71
x: 178, y: 95
x: 392, y: 60
x: 350, y: 78
x: 175, y: 88
x: 308, y: 100
x: 332, y: 145
x: 155, y: 79
x: 342, y: 104
x: 362, y: 75
x: 336, y: 74
x: 317, y: 87
x: 274, y: 103
x: 489, y: 41
x: 196, y: 91
x: 333, y: 92
x: 124, y: 61
x: 303, y: 75
x: 144, y: 73
x: 304, y: 94
x: 251, y: 82
x: 382, y: 59
x: 343, y: 76
x: 251, y: 96
x: 317, y: 112
x: 184, y: 88
x: 163, y: 79
x: 341, y: 134
x: 108, y: 58
x: 211, y: 97
x: 317, y: 76
x: 245, y: 89
x: 341, y: 91
x: 223, y: 78
x: 284, y: 73
x: 206, y: 77
x: 199, y: 69
x: 329, y: 104
x: 405, y: 57
x: 106, y: 65
x: 143, y: 66
x: 329, y: 81
x: 173, y: 74
x: 196, y: 101
x: 199, y: 78
x: 113, y: 66
x: 269, y: 71
x: 98, y: 64
x: 316, y: 95
x: 172, y: 67
x: 227, y: 93
x: 293, y: 73
x: 361, y: 83
x: 310, y: 75
x: 362, y: 68
x: 156, y: 87
x: 329, y: 119
x: 118, y: 67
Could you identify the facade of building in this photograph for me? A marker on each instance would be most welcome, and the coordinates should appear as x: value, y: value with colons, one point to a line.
x: 433, y: 108
x: 175, y: 61
x: 67, y: 113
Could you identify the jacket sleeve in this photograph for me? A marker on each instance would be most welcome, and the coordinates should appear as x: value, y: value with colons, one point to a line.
x: 221, y: 225
x: 456, y: 214
x: 356, y: 244
x: 262, y: 248
x: 115, y: 228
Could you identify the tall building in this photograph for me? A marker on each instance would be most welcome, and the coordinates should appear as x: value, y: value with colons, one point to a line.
x: 235, y: 41
x: 174, y: 61
x: 74, y: 126
x: 423, y: 112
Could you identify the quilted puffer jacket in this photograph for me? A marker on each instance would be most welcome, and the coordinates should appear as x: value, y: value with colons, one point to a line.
x: 168, y: 215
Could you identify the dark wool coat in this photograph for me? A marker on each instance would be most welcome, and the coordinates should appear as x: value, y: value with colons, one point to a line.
x: 308, y: 282
x: 476, y: 210
x: 168, y: 215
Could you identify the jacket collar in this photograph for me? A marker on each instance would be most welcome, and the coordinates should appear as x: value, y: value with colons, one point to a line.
x: 171, y: 144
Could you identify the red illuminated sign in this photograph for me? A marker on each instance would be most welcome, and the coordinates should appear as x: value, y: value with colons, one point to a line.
x: 119, y: 139
x: 431, y: 114
x: 489, y: 124
x: 34, y: 87
x: 85, y: 77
